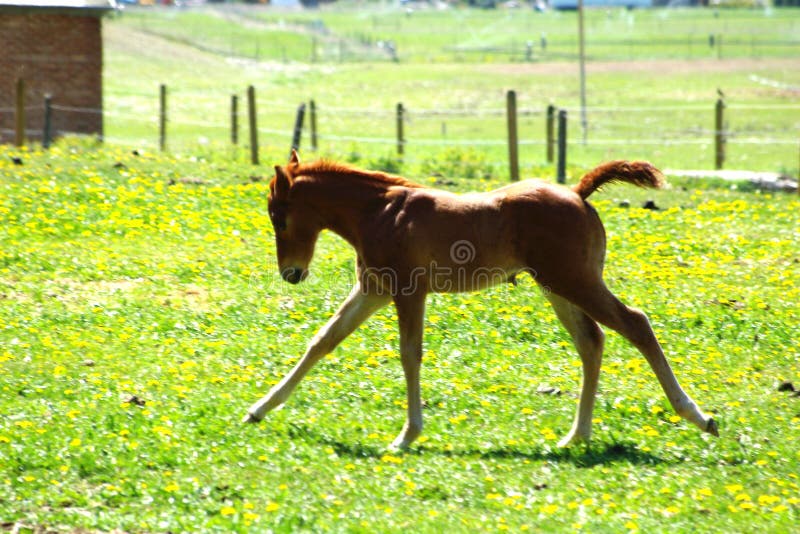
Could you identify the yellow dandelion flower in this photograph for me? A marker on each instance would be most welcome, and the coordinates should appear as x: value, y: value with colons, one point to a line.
x: 250, y: 516
x: 549, y: 509
x: 767, y: 499
x: 734, y: 488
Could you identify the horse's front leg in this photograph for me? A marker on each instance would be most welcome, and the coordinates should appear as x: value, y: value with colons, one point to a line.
x: 358, y: 306
x: 411, y: 316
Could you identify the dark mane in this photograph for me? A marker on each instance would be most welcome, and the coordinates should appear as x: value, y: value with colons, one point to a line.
x: 324, y: 169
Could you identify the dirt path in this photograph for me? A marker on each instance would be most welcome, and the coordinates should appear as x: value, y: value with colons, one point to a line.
x: 770, y: 181
x: 660, y: 66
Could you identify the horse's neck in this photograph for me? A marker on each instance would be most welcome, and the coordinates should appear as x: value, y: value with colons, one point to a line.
x: 344, y: 202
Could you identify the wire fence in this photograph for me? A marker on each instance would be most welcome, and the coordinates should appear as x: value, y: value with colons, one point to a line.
x: 252, y: 34
x: 754, y: 136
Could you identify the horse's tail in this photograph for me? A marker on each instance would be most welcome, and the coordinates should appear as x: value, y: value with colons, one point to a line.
x: 640, y: 173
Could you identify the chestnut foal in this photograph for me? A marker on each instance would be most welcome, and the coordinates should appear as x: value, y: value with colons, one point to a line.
x: 412, y: 240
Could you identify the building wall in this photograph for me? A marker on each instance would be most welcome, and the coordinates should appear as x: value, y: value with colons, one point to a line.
x: 57, y: 54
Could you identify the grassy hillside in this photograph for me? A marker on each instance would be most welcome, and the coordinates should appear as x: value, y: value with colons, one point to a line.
x: 654, y: 107
x: 348, y: 32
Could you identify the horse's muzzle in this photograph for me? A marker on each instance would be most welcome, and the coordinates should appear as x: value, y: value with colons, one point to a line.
x: 294, y: 275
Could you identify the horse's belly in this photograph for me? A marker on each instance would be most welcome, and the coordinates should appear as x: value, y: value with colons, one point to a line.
x: 461, y: 278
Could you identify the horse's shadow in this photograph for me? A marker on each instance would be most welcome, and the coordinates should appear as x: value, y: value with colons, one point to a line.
x: 584, y: 456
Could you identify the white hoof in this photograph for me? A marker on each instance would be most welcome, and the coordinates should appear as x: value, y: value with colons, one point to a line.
x: 694, y: 415
x: 573, y: 438
x: 405, y: 439
x: 711, y: 427
x: 397, y: 446
x: 400, y: 443
x: 250, y: 418
x: 259, y: 409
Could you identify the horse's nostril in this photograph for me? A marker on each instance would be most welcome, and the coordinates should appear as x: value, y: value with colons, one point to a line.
x: 293, y: 275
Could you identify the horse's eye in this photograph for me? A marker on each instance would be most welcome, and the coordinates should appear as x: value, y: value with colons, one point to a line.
x: 278, y: 221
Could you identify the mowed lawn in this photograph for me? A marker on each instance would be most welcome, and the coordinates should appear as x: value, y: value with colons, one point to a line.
x: 141, y: 313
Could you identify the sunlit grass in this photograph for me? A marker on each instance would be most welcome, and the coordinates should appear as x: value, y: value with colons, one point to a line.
x: 352, y: 32
x: 654, y: 103
x: 140, y: 318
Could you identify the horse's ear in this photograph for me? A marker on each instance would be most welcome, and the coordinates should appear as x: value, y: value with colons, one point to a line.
x: 294, y: 159
x: 282, y: 182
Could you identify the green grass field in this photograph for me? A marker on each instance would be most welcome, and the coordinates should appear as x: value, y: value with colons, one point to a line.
x: 141, y: 313
x: 347, y: 32
x: 655, y: 102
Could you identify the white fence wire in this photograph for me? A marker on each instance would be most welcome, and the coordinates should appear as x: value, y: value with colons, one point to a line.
x: 664, y: 126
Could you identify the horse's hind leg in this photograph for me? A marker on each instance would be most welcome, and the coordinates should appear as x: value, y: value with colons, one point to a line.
x: 607, y: 310
x: 411, y: 317
x: 588, y: 340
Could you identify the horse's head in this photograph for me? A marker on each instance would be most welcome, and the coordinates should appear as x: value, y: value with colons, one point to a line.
x: 295, y: 222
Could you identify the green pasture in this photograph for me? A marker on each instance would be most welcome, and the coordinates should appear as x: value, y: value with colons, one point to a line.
x: 141, y: 313
x: 355, y: 32
x: 658, y: 106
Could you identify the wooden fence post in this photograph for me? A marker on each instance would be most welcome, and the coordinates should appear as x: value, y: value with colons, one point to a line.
x: 162, y: 117
x: 20, y: 113
x: 513, y: 145
x: 550, y: 130
x: 47, y: 134
x: 313, y: 50
x: 298, y: 128
x: 400, y: 139
x: 312, y: 124
x: 719, y: 134
x: 561, y: 172
x: 251, y: 113
x: 235, y: 119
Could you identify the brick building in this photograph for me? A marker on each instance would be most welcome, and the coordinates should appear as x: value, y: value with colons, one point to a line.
x: 56, y: 47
